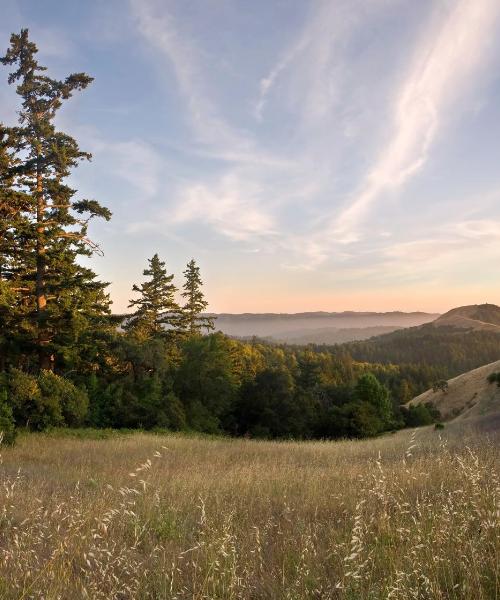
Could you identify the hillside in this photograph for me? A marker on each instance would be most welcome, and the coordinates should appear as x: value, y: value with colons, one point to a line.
x: 478, y: 317
x: 469, y: 396
x: 460, y: 340
x: 332, y: 335
x: 303, y: 328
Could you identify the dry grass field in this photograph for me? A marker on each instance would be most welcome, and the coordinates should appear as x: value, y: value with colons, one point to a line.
x: 412, y: 515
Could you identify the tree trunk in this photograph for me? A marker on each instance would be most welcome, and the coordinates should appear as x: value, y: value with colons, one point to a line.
x: 44, y: 358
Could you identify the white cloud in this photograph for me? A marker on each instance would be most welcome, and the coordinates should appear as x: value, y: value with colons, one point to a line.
x: 158, y: 26
x: 230, y: 206
x: 134, y: 161
x: 445, y: 61
x: 267, y: 83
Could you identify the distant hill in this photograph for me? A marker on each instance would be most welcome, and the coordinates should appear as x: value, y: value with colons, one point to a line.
x: 469, y: 397
x: 332, y: 335
x: 317, y: 327
x: 479, y: 317
x: 462, y: 339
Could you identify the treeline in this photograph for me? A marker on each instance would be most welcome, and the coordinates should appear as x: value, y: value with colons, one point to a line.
x: 207, y: 383
x: 66, y: 361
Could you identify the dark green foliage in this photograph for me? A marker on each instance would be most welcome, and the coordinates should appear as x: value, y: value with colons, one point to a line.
x: 42, y: 401
x: 445, y: 351
x: 370, y: 391
x: 53, y: 299
x: 494, y: 378
x: 418, y: 415
x: 69, y: 404
x: 175, y: 416
x: 24, y: 396
x: 157, y: 313
x: 266, y: 406
x: 7, y: 426
x: 192, y: 319
x: 440, y: 386
x: 205, y: 381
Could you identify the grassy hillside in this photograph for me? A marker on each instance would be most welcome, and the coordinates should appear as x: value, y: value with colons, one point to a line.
x: 480, y: 317
x: 144, y: 516
x: 468, y: 396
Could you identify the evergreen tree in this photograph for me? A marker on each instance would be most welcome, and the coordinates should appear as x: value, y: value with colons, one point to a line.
x: 193, y: 321
x: 58, y: 299
x: 370, y: 391
x: 12, y: 202
x: 157, y: 313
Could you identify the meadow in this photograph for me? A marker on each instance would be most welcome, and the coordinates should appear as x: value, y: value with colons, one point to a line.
x: 409, y: 515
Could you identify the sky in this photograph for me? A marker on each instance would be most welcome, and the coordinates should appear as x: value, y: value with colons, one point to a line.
x: 309, y: 154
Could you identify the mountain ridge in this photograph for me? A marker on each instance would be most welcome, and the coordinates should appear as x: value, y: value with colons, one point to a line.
x: 474, y: 316
x: 282, y: 327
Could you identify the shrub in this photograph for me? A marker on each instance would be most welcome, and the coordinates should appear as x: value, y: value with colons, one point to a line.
x: 174, y: 412
x: 24, y: 397
x: 419, y: 415
x: 494, y: 377
x: 66, y: 403
x: 7, y: 427
x: 48, y: 400
x: 440, y: 386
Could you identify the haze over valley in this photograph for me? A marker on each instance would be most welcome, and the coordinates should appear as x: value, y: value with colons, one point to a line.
x: 318, y: 327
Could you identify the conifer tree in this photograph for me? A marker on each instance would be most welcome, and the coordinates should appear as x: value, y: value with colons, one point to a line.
x: 11, y: 203
x: 47, y: 227
x: 157, y: 312
x: 193, y: 320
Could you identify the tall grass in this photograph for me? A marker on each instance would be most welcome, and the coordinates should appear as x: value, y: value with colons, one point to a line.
x: 143, y: 516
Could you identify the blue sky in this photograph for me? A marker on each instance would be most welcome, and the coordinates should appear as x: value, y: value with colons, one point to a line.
x: 311, y: 155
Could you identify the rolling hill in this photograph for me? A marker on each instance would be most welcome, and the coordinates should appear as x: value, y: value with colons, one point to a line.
x: 469, y: 397
x: 332, y: 335
x: 478, y: 317
x: 462, y: 339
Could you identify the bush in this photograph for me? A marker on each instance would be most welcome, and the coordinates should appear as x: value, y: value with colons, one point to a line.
x: 44, y: 401
x: 67, y: 403
x: 419, y: 415
x: 24, y: 398
x: 7, y: 427
x: 440, y: 386
x: 494, y: 378
x: 174, y: 411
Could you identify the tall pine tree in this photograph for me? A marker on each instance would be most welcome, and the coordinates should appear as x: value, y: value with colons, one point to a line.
x: 193, y: 320
x: 47, y: 228
x: 157, y: 312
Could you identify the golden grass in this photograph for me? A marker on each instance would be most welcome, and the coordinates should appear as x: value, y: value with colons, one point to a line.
x: 147, y: 516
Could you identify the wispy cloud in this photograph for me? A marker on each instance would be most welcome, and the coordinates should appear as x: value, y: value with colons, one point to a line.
x: 266, y: 83
x: 229, y: 205
x: 157, y: 25
x: 444, y: 62
x: 134, y: 160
